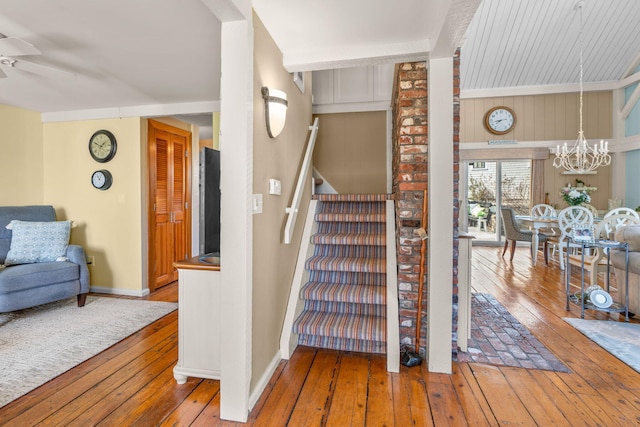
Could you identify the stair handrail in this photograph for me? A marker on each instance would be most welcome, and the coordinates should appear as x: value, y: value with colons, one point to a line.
x: 292, y: 211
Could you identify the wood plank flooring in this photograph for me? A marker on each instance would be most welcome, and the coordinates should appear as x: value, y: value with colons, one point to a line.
x: 131, y: 383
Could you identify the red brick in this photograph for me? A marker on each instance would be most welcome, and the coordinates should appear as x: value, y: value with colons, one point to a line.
x: 416, y: 148
x: 404, y: 186
x: 413, y: 130
x: 410, y: 94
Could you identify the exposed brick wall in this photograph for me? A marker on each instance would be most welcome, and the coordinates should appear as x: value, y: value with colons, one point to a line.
x: 409, y: 183
x: 410, y: 154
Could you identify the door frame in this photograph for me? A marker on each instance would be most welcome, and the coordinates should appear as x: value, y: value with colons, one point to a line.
x: 151, y: 194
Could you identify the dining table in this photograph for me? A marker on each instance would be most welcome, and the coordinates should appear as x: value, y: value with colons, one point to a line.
x: 535, y: 223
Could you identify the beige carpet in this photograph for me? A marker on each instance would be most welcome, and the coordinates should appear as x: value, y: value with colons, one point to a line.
x: 40, y: 343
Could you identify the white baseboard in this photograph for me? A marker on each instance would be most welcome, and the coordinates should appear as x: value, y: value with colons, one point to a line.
x: 264, y: 380
x: 117, y: 291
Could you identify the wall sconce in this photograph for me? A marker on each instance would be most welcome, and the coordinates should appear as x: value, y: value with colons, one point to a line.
x: 275, y: 110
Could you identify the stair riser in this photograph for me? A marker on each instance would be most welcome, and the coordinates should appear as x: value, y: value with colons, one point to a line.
x: 369, y: 279
x: 379, y: 252
x: 343, y: 344
x: 346, y: 308
x: 369, y: 228
x: 363, y: 265
x: 338, y: 292
x: 329, y: 217
x: 351, y: 207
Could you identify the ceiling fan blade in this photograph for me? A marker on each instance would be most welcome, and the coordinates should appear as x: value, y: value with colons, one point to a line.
x: 13, y: 46
x: 2, y: 75
x: 45, y: 70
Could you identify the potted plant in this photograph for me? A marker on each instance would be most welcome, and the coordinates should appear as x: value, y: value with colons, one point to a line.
x: 574, y: 197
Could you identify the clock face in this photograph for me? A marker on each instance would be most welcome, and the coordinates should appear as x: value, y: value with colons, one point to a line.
x: 102, y: 146
x: 500, y: 120
x: 101, y: 179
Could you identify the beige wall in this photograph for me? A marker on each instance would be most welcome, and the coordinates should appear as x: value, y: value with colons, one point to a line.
x: 109, y: 222
x: 553, y: 117
x: 273, y: 261
x: 554, y: 180
x: 550, y: 117
x: 350, y: 151
x: 21, y: 157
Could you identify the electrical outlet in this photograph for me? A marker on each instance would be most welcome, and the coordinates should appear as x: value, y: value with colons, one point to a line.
x: 91, y: 260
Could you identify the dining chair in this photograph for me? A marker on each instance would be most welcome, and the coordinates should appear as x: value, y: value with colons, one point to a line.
x: 595, y: 261
x: 622, y: 211
x: 513, y: 234
x: 592, y: 209
x: 621, y: 214
x: 569, y: 218
x: 542, y: 210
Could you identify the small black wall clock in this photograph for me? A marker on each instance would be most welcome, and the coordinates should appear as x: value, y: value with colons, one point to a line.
x: 102, y: 179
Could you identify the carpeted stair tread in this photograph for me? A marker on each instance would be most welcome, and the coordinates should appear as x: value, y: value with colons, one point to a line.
x: 375, y: 228
x: 351, y: 251
x: 361, y: 346
x: 350, y: 217
x: 340, y: 292
x: 349, y: 239
x: 352, y: 207
x: 359, y: 309
x: 348, y: 277
x: 353, y: 197
x: 329, y: 263
x: 339, y: 325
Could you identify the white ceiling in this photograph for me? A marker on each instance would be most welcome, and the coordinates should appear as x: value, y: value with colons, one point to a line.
x: 514, y: 43
x: 127, y: 53
x: 114, y: 53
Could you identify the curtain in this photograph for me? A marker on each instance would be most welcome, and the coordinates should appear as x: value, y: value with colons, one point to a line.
x: 537, y: 182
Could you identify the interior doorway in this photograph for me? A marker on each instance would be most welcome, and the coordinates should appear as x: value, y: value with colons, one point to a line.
x: 490, y: 185
x: 169, y: 201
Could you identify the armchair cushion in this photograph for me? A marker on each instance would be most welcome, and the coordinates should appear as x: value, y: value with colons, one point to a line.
x: 631, y: 235
x: 35, y: 241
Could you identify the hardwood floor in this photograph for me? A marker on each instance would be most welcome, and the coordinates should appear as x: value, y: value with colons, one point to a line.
x: 131, y: 383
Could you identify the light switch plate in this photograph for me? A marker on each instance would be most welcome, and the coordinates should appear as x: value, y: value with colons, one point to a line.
x: 275, y: 187
x: 257, y: 204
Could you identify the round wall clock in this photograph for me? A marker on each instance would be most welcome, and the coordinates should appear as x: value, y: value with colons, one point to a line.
x: 500, y: 120
x: 102, y: 179
x: 102, y: 146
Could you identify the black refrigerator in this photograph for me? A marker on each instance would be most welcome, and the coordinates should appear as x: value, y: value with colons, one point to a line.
x: 209, y: 201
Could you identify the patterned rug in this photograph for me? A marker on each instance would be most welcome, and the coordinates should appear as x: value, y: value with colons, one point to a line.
x: 619, y: 338
x: 40, y: 343
x: 497, y: 338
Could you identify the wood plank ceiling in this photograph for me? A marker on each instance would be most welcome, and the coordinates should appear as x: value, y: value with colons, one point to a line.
x: 529, y: 43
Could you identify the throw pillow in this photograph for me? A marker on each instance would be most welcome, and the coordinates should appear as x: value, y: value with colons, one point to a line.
x: 33, y: 241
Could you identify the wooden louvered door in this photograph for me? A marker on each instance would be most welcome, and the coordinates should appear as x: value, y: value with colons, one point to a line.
x: 169, y: 210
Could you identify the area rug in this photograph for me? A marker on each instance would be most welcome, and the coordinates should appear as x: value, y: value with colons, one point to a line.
x: 619, y: 338
x: 40, y: 343
x: 497, y: 338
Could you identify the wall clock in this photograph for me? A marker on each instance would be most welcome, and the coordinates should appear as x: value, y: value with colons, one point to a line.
x: 500, y: 120
x: 102, y: 146
x: 102, y: 179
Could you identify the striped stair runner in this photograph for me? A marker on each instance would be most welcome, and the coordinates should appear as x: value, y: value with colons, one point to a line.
x: 345, y: 297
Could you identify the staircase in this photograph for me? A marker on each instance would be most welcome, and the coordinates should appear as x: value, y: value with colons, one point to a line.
x: 345, y: 295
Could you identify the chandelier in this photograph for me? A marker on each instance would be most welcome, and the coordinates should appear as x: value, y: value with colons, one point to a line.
x: 582, y: 157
